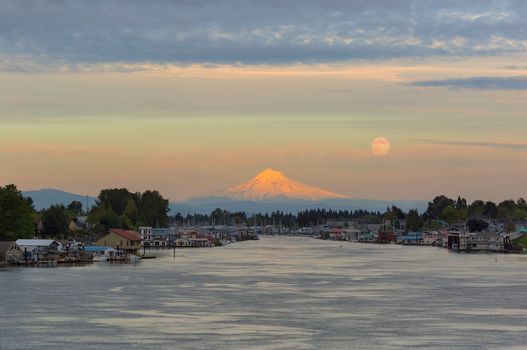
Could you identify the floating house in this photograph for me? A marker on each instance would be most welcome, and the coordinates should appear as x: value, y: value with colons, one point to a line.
x: 91, y: 251
x: 484, y: 241
x: 195, y: 238
x: 10, y: 252
x: 386, y: 237
x: 127, y: 241
x: 411, y: 238
x: 156, y: 237
x: 35, y: 250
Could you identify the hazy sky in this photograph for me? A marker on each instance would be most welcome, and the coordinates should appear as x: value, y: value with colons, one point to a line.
x: 188, y: 97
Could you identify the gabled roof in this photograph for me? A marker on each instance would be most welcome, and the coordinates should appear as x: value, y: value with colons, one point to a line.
x: 35, y: 242
x: 6, y: 245
x: 129, y: 235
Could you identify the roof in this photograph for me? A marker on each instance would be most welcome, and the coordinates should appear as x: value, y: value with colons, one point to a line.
x: 97, y: 248
x: 129, y: 235
x: 6, y: 245
x: 410, y: 238
x: 35, y: 242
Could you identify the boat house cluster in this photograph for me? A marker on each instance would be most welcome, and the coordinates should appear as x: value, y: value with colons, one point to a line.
x: 455, y: 237
x: 118, y: 244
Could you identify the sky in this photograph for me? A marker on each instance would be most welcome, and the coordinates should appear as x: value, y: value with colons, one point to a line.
x: 188, y: 97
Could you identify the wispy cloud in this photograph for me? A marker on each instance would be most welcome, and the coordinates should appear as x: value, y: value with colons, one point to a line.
x: 74, y: 35
x: 32, y: 149
x: 500, y: 145
x: 477, y: 83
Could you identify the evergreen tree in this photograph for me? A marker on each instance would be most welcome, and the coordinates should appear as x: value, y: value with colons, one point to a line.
x: 56, y: 222
x: 16, y: 214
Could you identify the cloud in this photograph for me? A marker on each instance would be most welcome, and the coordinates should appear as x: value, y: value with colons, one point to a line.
x: 499, y: 145
x: 33, y: 149
x: 477, y: 83
x: 70, y: 35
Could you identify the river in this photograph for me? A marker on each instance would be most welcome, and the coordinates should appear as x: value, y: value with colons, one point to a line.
x: 275, y: 293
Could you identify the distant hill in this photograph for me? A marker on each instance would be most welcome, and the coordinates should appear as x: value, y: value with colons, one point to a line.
x: 206, y: 205
x: 46, y: 197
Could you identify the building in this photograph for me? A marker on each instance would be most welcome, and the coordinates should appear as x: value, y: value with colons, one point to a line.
x: 431, y: 238
x: 156, y: 237
x: 10, y: 252
x: 484, y: 241
x: 352, y: 234
x: 411, y: 238
x: 386, y: 237
x: 38, y: 249
x: 193, y: 243
x: 47, y: 245
x: 127, y: 241
x: 194, y: 238
x: 91, y: 251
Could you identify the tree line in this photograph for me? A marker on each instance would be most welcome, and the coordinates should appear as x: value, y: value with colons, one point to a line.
x: 120, y: 208
x: 440, y: 211
x: 114, y: 208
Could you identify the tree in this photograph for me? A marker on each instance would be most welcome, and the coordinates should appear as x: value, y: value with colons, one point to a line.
x: 506, y: 209
x: 476, y: 209
x: 519, y: 214
x: 153, y: 209
x: 491, y: 210
x: 16, y: 214
x: 461, y: 203
x: 75, y: 207
x: 450, y: 214
x: 117, y: 198
x: 119, y: 208
x: 56, y: 222
x: 413, y: 221
x: 437, y: 206
x: 477, y: 225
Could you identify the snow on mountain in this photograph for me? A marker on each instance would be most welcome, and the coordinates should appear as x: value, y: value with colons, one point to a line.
x: 272, y: 184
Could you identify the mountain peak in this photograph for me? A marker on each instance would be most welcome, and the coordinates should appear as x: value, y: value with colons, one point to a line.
x: 270, y: 174
x: 273, y: 184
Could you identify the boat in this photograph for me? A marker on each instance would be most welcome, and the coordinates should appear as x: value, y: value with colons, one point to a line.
x: 134, y: 258
x: 100, y: 258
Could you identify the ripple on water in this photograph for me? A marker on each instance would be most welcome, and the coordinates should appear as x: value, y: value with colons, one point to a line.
x: 276, y: 293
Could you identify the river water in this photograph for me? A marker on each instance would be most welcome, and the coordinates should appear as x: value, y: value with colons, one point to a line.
x: 276, y: 293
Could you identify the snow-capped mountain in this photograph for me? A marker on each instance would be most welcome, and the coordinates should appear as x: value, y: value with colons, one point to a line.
x: 271, y: 184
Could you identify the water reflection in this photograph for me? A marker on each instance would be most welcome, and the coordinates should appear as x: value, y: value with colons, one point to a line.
x: 276, y: 293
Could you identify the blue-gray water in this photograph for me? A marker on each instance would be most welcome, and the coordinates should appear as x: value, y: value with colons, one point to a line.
x: 276, y: 293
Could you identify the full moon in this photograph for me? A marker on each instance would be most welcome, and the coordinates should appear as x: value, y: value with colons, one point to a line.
x: 380, y: 146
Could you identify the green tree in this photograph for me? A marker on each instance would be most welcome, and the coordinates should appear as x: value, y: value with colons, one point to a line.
x: 413, y: 221
x: 476, y: 209
x: 75, y: 207
x: 506, y: 209
x: 449, y: 214
x: 153, y: 209
x: 16, y: 214
x: 519, y: 214
x: 461, y: 203
x: 56, y: 221
x: 437, y: 206
x: 117, y: 198
x: 491, y: 210
x: 104, y: 217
